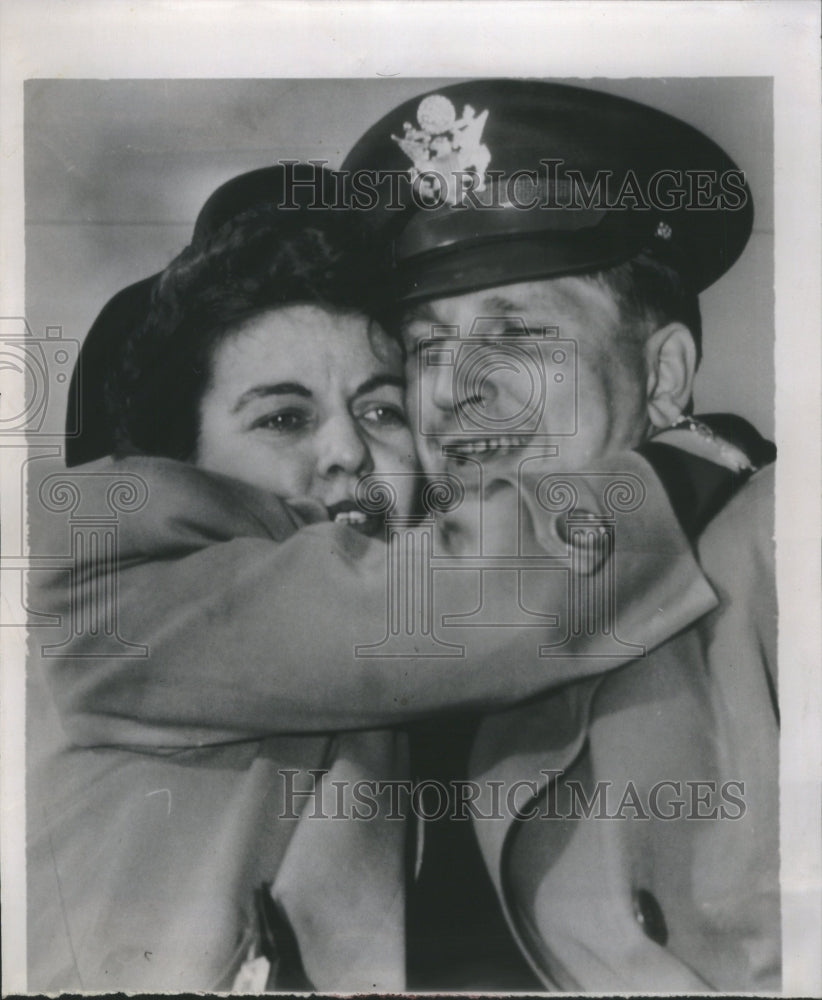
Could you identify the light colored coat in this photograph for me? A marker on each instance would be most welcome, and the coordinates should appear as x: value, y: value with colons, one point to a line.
x: 156, y: 790
x: 645, y: 901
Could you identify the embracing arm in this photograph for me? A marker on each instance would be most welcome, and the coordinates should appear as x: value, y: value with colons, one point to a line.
x: 256, y: 634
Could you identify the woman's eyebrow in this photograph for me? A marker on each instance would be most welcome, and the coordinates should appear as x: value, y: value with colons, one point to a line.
x: 378, y: 381
x: 270, y: 389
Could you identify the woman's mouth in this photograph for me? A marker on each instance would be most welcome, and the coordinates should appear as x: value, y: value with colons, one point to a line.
x: 347, y: 512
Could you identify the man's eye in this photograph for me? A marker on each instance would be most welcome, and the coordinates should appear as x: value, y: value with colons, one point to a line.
x: 516, y: 330
x: 284, y: 422
x: 383, y: 415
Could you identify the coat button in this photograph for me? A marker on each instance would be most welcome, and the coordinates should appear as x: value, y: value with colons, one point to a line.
x: 649, y: 916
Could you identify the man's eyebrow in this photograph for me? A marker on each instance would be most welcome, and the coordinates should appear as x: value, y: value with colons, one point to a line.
x: 378, y: 381
x: 270, y: 389
x: 499, y: 305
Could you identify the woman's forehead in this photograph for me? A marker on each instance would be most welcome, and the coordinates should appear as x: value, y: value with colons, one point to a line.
x: 309, y: 342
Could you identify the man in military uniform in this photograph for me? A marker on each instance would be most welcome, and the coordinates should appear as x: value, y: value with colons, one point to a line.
x: 645, y: 854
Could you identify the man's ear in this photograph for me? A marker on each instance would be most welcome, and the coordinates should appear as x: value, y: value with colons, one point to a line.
x: 670, y: 357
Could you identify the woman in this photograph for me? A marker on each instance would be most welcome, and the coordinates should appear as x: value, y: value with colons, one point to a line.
x: 252, y: 399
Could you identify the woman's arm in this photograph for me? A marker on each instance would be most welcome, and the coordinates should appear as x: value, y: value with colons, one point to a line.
x: 252, y: 626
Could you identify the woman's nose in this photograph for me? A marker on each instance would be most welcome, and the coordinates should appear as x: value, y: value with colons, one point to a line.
x: 342, y: 449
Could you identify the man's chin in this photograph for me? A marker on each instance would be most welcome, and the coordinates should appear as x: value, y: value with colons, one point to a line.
x: 474, y: 477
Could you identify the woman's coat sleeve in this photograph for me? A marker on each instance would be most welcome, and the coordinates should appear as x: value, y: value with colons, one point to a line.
x: 254, y: 622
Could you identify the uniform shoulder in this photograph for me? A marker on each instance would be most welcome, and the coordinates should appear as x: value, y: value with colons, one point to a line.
x: 736, y: 553
x: 744, y: 527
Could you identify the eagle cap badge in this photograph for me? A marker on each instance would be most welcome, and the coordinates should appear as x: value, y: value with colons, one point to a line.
x: 445, y: 150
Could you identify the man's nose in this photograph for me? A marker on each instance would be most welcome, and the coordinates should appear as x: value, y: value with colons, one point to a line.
x: 342, y: 449
x: 442, y: 388
x: 466, y: 387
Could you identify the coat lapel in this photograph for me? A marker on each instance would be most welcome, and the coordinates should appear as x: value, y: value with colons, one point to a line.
x: 349, y: 872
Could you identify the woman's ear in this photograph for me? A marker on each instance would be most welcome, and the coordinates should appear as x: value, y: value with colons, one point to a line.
x: 670, y: 357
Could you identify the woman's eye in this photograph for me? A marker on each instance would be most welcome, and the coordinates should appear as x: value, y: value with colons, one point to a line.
x: 384, y: 416
x: 284, y: 422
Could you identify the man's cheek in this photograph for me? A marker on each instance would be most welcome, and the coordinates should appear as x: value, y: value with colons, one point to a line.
x: 430, y: 457
x: 412, y: 404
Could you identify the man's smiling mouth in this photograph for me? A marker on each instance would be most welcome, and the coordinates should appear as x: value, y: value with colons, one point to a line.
x: 491, y: 447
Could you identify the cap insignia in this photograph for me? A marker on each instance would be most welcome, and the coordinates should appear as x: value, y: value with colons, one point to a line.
x: 445, y: 150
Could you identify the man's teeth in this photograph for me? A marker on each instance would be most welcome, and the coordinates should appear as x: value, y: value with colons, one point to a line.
x: 478, y: 446
x: 350, y: 517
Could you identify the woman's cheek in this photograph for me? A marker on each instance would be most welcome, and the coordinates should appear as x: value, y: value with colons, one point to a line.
x: 407, y: 451
x: 279, y: 469
x: 397, y: 464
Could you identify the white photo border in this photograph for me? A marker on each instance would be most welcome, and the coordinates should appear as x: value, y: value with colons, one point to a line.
x: 429, y: 38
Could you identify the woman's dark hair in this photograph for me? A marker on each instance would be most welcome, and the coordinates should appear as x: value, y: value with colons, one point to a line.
x: 263, y: 258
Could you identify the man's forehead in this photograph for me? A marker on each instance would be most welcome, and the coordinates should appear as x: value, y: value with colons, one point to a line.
x: 546, y: 299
